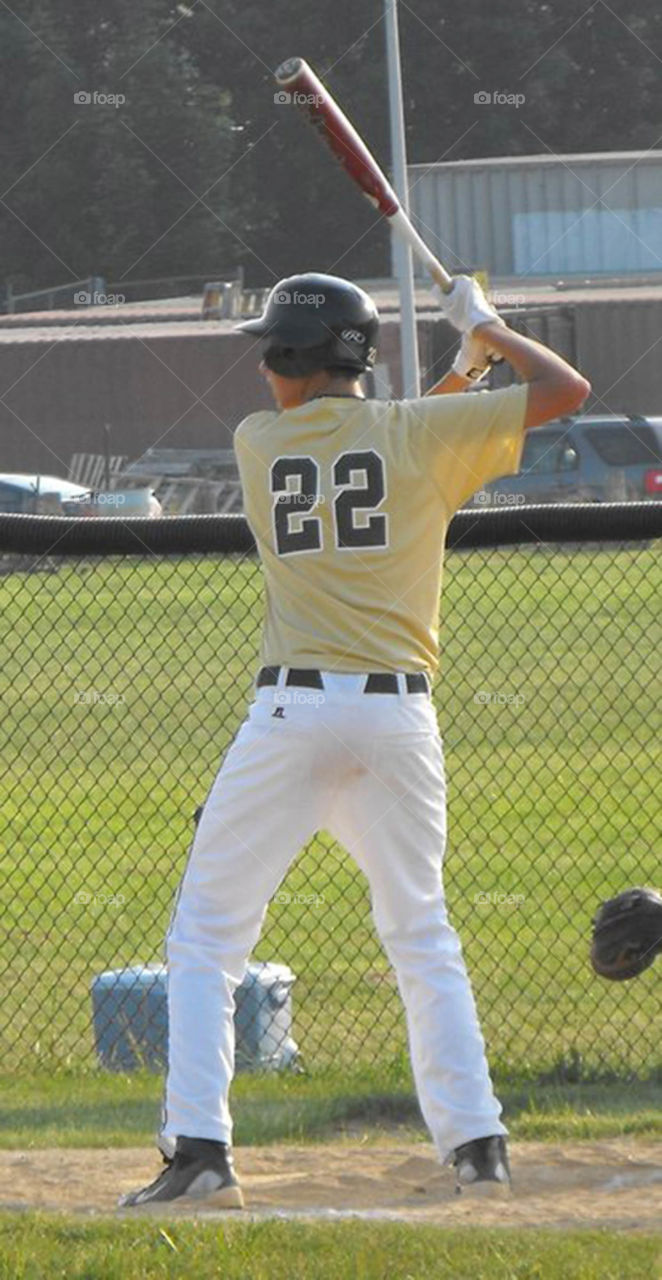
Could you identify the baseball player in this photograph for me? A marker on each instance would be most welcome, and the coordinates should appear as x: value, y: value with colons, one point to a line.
x: 349, y: 500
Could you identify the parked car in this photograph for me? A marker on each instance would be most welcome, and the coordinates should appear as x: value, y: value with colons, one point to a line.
x: 591, y: 458
x: 38, y: 494
x: 51, y: 495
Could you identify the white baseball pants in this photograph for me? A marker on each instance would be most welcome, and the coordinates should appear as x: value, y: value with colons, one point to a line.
x: 369, y: 769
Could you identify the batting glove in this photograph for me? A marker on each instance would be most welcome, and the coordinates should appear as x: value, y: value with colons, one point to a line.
x: 472, y: 359
x: 466, y: 305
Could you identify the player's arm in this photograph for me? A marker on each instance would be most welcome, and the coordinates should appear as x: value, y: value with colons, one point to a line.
x: 451, y: 384
x: 554, y: 387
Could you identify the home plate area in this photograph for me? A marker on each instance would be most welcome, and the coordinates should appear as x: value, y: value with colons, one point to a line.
x: 615, y: 1183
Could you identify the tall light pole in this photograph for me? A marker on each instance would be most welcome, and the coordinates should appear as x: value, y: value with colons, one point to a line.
x: 402, y: 256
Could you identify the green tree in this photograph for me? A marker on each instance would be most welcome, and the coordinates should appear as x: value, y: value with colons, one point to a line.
x: 299, y: 212
x: 97, y: 188
x: 589, y: 78
x: 110, y: 195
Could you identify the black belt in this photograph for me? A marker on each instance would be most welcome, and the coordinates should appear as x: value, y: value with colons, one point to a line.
x: 377, y: 682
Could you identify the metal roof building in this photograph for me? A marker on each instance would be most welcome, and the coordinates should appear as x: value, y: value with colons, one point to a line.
x: 543, y: 215
x: 163, y: 377
x: 154, y: 380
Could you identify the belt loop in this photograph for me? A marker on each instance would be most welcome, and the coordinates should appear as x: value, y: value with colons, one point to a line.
x: 282, y: 677
x: 402, y: 684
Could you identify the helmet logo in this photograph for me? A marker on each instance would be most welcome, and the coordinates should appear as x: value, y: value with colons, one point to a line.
x: 352, y: 335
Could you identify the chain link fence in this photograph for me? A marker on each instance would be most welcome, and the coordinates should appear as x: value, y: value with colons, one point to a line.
x: 125, y: 676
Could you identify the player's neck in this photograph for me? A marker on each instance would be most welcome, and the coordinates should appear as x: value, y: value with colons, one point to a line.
x: 348, y: 387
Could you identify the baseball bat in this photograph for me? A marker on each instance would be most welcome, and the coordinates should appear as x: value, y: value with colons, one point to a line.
x: 297, y: 77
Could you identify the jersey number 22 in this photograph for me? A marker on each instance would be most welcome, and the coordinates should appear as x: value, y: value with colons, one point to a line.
x: 360, y: 480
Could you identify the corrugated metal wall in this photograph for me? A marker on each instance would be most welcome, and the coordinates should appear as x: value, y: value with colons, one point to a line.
x: 190, y: 386
x: 617, y: 345
x: 543, y: 215
x: 620, y: 349
x: 177, y: 389
x: 181, y: 386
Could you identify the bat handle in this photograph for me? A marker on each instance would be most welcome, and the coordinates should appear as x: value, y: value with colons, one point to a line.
x: 432, y: 265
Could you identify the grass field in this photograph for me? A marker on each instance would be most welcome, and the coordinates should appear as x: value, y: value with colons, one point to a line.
x: 31, y: 1248
x: 122, y: 683
x: 108, y: 1111
x: 101, y: 1109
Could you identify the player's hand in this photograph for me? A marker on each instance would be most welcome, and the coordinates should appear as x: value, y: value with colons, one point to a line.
x: 472, y: 359
x: 466, y: 305
x: 476, y: 353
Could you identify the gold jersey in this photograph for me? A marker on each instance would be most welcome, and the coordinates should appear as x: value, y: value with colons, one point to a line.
x: 349, y: 502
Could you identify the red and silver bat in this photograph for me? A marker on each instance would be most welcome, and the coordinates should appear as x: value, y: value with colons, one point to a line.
x: 297, y: 78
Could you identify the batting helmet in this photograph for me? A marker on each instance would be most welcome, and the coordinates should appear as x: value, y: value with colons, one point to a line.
x: 314, y: 321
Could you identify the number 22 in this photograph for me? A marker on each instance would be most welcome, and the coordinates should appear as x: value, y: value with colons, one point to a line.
x: 360, y: 478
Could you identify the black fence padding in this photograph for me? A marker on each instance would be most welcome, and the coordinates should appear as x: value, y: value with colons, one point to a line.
x: 139, y: 536
x: 562, y: 522
x: 191, y: 535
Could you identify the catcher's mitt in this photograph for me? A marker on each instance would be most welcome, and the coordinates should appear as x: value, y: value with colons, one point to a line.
x: 627, y: 934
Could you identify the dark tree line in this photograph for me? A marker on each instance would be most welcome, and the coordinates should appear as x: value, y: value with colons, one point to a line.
x: 199, y: 169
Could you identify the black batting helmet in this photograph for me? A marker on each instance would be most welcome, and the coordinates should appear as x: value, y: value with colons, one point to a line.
x: 314, y: 321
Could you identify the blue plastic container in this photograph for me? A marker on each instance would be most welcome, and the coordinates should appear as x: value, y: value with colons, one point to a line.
x: 130, y: 1013
x: 263, y: 1019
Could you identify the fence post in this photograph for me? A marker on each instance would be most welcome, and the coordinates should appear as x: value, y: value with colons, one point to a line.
x: 97, y: 287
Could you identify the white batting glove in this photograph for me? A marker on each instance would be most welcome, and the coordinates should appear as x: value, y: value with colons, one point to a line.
x: 466, y: 305
x: 472, y: 360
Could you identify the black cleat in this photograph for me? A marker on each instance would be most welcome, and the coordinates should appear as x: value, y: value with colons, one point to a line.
x: 200, y: 1170
x: 485, y: 1161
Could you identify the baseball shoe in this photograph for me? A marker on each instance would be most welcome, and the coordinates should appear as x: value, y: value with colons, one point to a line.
x: 484, y: 1161
x: 199, y: 1170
